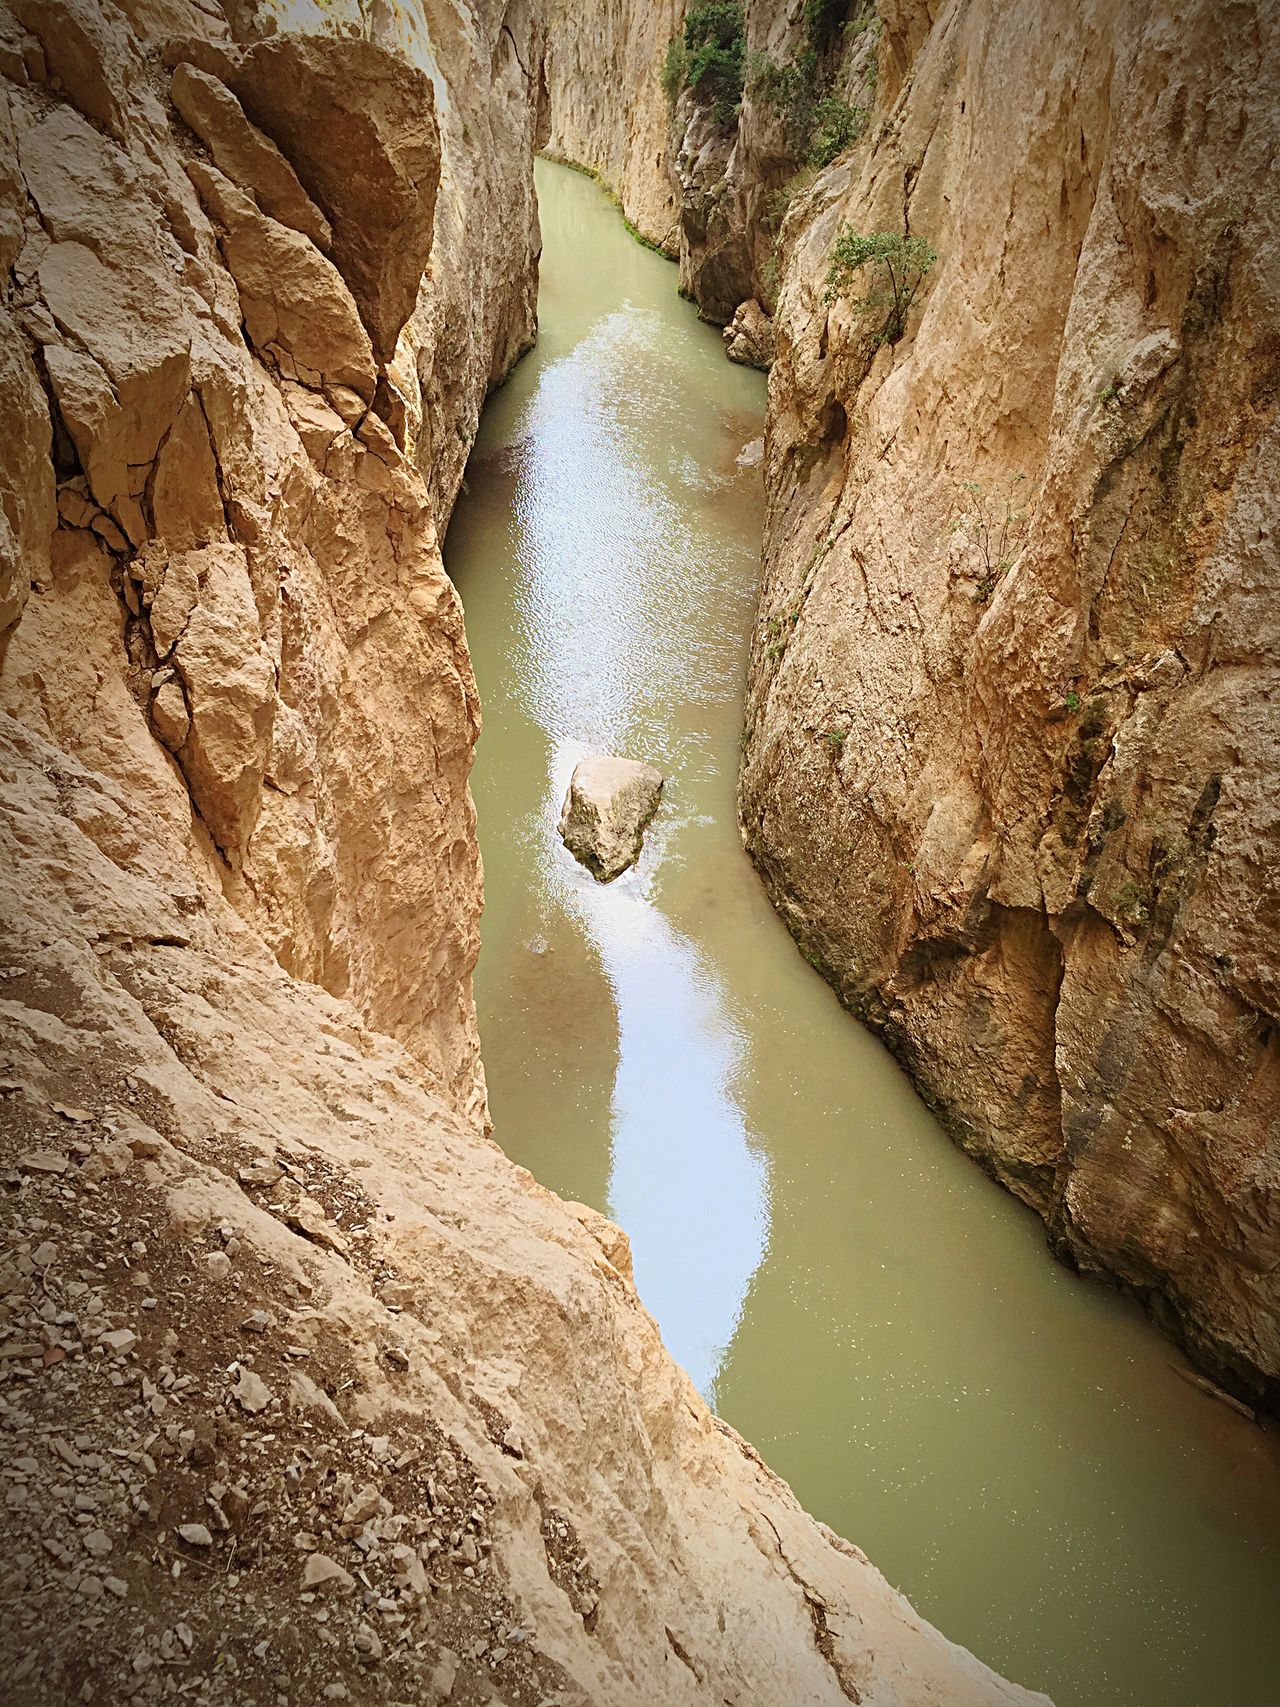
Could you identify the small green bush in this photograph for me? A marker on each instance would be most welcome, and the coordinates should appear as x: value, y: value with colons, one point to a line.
x: 791, y: 90
x: 716, y: 56
x: 836, y: 126
x: 867, y: 22
x: 675, y: 69
x: 818, y: 127
x: 898, y: 267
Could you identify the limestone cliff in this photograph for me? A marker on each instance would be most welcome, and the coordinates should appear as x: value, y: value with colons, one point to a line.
x: 246, y: 507
x: 1013, y: 753
x: 309, y: 1394
x: 606, y: 105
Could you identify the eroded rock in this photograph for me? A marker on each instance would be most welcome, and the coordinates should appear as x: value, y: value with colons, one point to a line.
x: 609, y: 803
x: 748, y: 338
x: 251, y: 160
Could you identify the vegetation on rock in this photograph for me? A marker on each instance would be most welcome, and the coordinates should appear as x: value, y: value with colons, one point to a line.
x: 995, y: 522
x: 898, y: 266
x: 819, y: 125
x: 709, y: 58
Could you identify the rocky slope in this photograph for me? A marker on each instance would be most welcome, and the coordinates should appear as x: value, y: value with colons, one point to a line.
x: 1014, y: 717
x: 309, y: 1394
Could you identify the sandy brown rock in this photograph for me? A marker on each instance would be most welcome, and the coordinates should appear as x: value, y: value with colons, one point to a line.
x: 246, y: 577
x: 748, y: 338
x: 357, y: 123
x: 27, y: 500
x: 1013, y: 727
x: 296, y: 308
x: 247, y: 157
x: 606, y: 811
x: 318, y: 1333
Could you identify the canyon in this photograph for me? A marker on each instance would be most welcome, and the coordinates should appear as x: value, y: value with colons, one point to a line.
x: 1012, y: 729
x: 311, y: 1392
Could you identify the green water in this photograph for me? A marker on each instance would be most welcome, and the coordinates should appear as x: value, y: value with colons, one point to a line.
x: 1007, y: 1442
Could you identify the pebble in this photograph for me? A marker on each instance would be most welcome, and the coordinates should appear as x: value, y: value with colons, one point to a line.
x: 252, y: 1393
x: 366, y: 1504
x: 262, y: 1172
x: 320, y: 1568
x: 43, y: 1162
x: 195, y: 1534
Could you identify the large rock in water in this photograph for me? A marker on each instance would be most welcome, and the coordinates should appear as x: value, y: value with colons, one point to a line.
x: 609, y: 803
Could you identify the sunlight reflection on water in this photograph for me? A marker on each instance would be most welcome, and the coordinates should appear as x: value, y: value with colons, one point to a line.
x: 605, y: 541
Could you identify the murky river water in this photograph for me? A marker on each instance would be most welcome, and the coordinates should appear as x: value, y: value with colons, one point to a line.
x: 1008, y: 1443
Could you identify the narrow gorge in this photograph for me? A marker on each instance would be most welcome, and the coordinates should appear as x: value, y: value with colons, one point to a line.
x: 313, y: 1387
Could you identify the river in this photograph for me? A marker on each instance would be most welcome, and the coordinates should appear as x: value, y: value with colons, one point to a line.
x: 1008, y: 1442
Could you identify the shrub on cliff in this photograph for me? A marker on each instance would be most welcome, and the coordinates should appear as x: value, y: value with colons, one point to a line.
x: 791, y: 89
x: 897, y: 266
x: 710, y: 58
x: 836, y: 126
x: 818, y: 127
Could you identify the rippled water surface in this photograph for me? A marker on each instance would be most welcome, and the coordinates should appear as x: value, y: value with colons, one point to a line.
x: 1010, y: 1444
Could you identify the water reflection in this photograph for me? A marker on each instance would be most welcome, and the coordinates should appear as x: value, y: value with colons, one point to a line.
x: 607, y: 541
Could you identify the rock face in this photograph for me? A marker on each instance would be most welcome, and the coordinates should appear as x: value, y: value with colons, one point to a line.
x: 308, y: 1389
x: 250, y: 508
x: 748, y: 338
x: 609, y: 803
x: 712, y: 189
x: 606, y: 106
x: 1014, y: 719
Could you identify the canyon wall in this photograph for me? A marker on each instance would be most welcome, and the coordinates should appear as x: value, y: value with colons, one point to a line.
x: 606, y: 107
x: 1013, y: 733
x: 309, y: 1394
x: 247, y: 507
x: 708, y: 181
x: 1012, y: 739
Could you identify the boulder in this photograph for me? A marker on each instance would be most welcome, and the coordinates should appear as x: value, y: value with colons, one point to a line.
x: 250, y: 159
x: 609, y: 803
x: 748, y: 338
